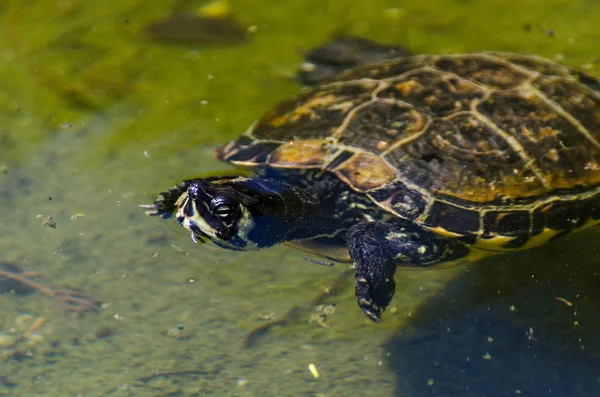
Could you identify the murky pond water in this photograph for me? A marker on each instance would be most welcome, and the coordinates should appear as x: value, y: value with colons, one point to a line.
x: 96, y: 117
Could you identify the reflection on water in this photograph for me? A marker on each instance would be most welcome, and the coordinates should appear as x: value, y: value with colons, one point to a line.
x: 525, y: 328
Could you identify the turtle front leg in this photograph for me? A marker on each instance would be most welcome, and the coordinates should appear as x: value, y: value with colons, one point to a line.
x: 377, y: 248
x: 166, y: 202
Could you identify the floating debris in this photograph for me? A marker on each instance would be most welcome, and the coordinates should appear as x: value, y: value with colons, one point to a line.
x: 176, y: 248
x: 311, y: 260
x: 177, y: 332
x: 254, y: 334
x: 22, y: 335
x: 563, y: 300
x: 267, y: 316
x: 77, y: 215
x: 326, y: 309
x: 48, y: 221
x: 313, y: 370
x: 320, y: 317
x: 530, y: 335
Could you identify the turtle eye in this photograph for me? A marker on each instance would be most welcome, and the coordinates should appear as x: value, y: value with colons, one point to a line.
x: 224, y: 211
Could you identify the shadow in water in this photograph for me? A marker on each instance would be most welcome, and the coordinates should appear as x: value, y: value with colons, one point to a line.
x: 523, y: 324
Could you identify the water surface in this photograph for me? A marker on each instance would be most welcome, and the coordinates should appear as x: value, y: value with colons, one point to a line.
x: 96, y: 118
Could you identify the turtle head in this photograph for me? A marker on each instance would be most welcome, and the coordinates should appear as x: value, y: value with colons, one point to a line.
x: 240, y: 213
x: 214, y: 211
x: 225, y: 211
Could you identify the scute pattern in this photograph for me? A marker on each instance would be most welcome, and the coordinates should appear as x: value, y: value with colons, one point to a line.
x: 433, y: 93
x: 375, y: 125
x: 458, y: 162
x: 577, y: 100
x: 314, y: 114
x: 386, y: 69
x: 556, y: 148
x: 493, y: 148
x: 537, y: 65
x: 488, y: 71
x: 400, y: 200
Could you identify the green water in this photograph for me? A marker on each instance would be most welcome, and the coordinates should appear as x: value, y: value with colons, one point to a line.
x: 99, y: 118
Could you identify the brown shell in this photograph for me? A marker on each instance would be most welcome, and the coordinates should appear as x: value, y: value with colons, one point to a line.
x: 475, y: 145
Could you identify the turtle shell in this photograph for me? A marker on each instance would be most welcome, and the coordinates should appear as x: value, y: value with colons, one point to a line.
x: 494, y: 148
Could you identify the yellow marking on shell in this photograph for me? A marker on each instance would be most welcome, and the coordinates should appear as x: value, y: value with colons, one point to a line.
x: 474, y: 255
x: 304, y: 109
x: 495, y: 77
x: 540, y: 239
x: 343, y: 106
x: 365, y: 171
x: 297, y: 154
x: 408, y: 87
x: 442, y: 232
x: 496, y: 243
x: 511, y: 185
x: 548, y: 234
x: 588, y: 224
x: 553, y: 155
x: 292, y: 117
x: 382, y: 145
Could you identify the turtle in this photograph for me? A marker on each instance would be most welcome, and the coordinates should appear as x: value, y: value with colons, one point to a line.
x: 390, y: 160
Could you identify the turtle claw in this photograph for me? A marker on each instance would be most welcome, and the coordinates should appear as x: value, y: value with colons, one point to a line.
x: 165, y: 203
x: 152, y: 209
x: 373, y: 298
x: 158, y: 208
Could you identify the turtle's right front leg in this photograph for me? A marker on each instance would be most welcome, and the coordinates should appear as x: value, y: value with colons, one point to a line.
x: 377, y: 248
x: 374, y: 260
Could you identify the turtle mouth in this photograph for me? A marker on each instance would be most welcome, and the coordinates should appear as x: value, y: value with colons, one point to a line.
x: 198, y: 236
